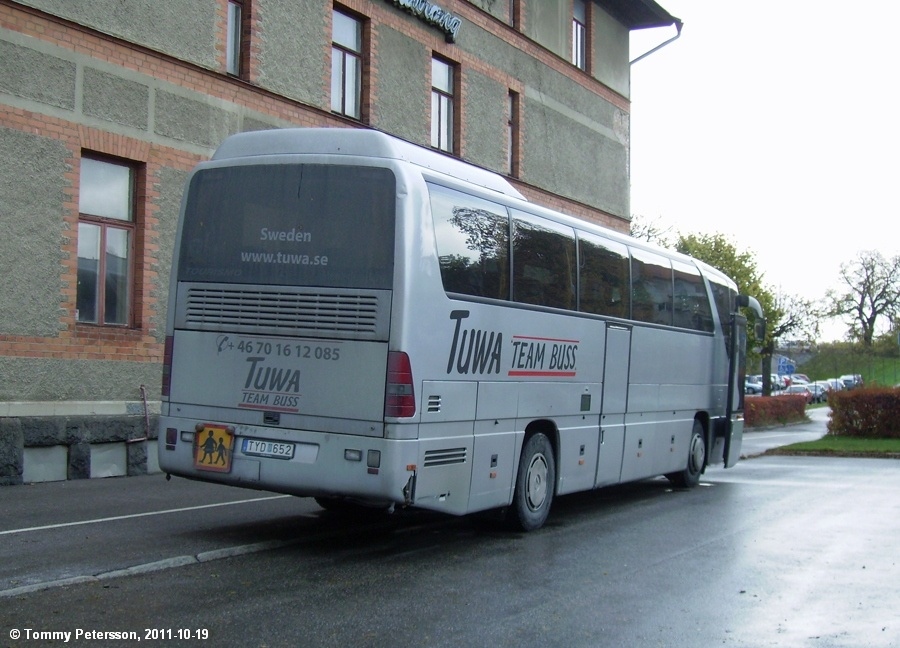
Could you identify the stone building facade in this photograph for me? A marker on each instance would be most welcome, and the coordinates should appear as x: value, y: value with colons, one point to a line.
x: 106, y: 105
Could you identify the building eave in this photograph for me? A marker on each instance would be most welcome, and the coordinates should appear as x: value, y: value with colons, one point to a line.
x: 639, y: 14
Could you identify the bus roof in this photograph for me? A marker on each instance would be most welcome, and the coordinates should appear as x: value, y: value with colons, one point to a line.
x: 358, y: 142
x: 362, y: 142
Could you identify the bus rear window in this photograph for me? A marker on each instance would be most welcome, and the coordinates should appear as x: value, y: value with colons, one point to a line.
x: 296, y: 225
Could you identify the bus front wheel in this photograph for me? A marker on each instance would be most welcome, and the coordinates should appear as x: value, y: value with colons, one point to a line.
x: 690, y: 476
x: 535, y: 483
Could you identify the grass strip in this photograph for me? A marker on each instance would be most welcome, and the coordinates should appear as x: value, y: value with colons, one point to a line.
x: 843, y: 446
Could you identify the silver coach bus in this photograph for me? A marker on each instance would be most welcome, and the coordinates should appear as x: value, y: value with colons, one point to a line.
x: 367, y: 322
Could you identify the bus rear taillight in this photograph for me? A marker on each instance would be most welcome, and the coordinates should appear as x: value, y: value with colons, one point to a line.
x: 399, y: 394
x: 167, y: 366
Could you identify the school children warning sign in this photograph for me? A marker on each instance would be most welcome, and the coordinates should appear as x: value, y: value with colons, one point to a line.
x: 213, y: 448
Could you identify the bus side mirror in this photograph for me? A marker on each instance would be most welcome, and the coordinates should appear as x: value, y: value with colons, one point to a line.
x: 759, y: 325
x: 759, y: 328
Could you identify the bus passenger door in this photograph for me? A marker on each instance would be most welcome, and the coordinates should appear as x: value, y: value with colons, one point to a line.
x: 737, y: 373
x: 614, y: 404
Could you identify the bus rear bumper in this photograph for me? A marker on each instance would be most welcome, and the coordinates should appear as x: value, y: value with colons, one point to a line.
x: 320, y: 463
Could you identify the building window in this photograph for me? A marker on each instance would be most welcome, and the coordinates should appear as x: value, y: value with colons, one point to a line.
x: 105, y: 240
x: 346, y: 65
x: 512, y: 134
x: 579, y: 34
x: 233, y: 46
x: 441, y: 105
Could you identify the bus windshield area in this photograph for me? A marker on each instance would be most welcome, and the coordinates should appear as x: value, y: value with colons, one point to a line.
x: 290, y: 224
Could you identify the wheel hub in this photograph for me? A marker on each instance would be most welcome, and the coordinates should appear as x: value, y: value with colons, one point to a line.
x: 697, y: 453
x: 536, y: 483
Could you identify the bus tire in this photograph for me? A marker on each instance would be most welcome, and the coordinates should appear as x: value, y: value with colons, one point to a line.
x: 535, y: 483
x: 690, y: 476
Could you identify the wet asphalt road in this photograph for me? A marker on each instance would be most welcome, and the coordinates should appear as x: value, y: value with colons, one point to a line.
x: 756, y: 442
x: 778, y: 551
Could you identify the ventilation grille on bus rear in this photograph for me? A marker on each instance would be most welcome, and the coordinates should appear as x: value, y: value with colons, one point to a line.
x: 444, y: 457
x: 285, y: 311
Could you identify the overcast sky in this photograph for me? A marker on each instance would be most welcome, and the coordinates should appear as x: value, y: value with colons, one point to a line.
x: 776, y: 123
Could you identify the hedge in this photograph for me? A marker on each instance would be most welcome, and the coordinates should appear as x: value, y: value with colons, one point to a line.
x: 870, y: 412
x: 774, y: 410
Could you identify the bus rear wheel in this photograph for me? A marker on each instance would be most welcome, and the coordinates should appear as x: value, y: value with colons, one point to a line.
x: 535, y: 483
x: 690, y: 476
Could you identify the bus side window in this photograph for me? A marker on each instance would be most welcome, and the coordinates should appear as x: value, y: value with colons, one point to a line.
x: 692, y: 308
x: 543, y: 263
x: 724, y: 297
x: 604, y: 277
x: 651, y: 288
x: 472, y: 237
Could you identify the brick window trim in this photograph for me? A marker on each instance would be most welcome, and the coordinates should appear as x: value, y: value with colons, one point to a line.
x: 135, y: 154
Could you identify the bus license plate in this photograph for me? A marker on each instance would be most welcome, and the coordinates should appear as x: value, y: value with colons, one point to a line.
x: 273, y: 449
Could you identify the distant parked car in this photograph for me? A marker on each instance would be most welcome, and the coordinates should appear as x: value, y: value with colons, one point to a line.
x: 753, y: 385
x: 820, y: 394
x: 836, y: 384
x: 852, y: 381
x: 799, y: 379
x: 801, y: 390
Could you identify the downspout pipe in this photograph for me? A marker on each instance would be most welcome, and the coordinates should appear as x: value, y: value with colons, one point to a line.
x: 678, y: 26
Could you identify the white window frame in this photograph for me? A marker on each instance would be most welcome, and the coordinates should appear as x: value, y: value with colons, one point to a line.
x: 443, y: 75
x: 106, y: 211
x: 234, y: 38
x: 346, y: 69
x: 580, y: 34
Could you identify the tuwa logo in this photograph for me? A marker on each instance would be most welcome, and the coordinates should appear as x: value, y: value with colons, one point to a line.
x: 270, y: 386
x: 475, y: 351
x: 478, y: 351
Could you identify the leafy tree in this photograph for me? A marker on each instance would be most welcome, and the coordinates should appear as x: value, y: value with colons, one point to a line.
x: 870, y: 292
x: 722, y: 254
x: 785, y: 315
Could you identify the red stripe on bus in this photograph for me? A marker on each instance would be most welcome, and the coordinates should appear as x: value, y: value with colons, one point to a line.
x: 267, y: 408
x: 568, y: 374
x: 543, y: 339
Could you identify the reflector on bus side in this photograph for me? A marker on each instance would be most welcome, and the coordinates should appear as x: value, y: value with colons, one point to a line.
x: 399, y: 393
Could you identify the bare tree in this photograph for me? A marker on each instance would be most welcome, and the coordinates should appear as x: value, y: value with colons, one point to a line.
x: 800, y: 319
x: 870, y: 292
x: 792, y: 317
x: 652, y: 230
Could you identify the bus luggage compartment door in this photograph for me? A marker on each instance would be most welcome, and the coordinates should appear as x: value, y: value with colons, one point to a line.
x: 444, y: 469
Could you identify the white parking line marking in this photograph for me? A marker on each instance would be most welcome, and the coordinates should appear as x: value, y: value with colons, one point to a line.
x: 139, y: 515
